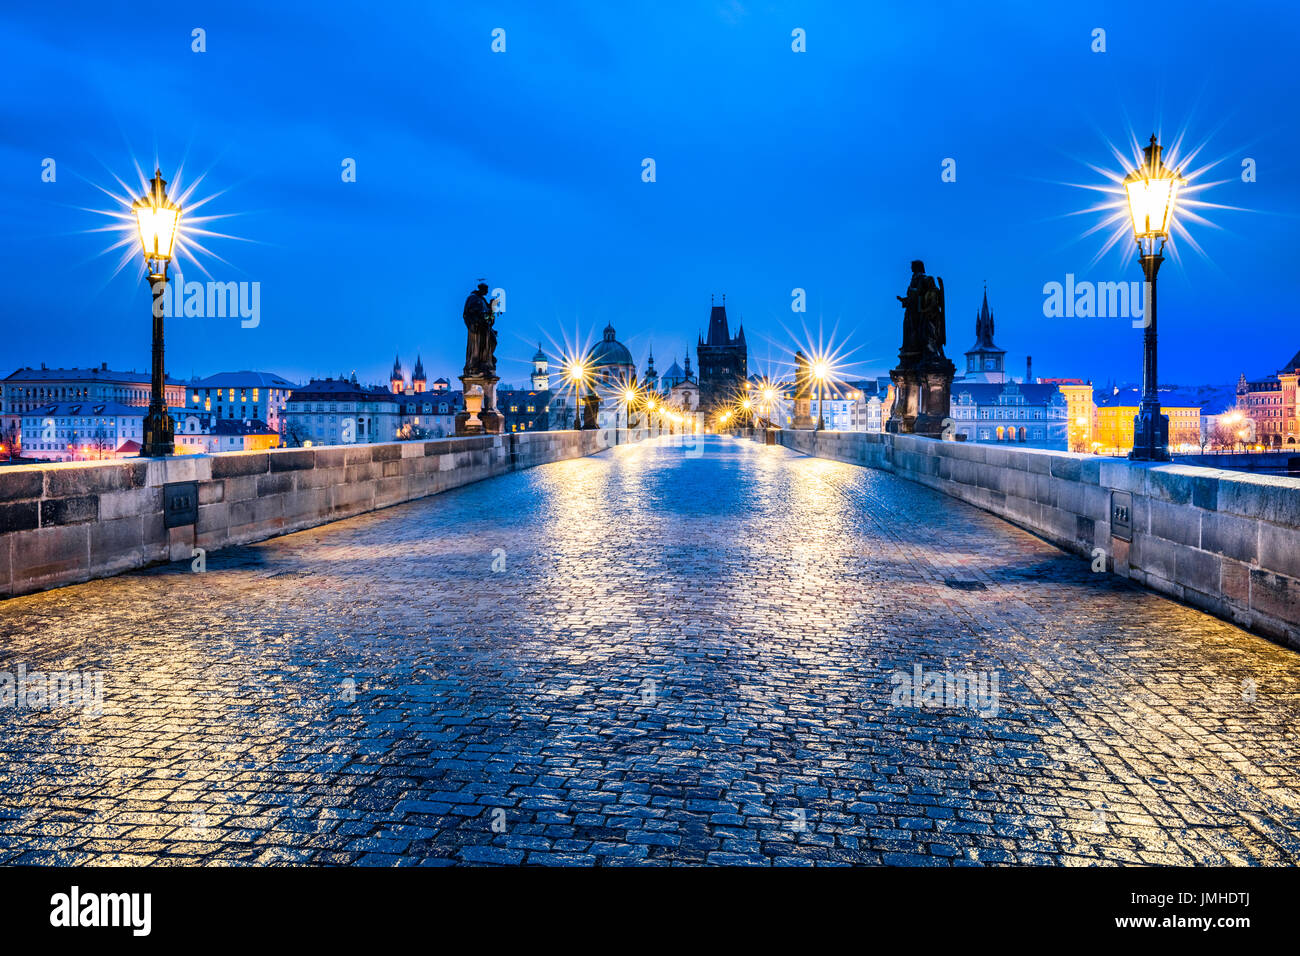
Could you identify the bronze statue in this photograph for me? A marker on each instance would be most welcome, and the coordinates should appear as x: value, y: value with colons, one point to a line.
x: 924, y: 323
x: 481, y: 342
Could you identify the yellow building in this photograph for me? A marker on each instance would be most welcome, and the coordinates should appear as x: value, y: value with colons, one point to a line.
x: 1080, y: 412
x: 1113, y: 429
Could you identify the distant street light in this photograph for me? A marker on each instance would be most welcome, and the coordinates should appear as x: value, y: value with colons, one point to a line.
x: 158, y: 219
x: 1152, y: 190
x: 820, y: 371
x: 577, y: 373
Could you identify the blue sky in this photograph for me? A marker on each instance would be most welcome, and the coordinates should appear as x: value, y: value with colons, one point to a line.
x: 775, y: 170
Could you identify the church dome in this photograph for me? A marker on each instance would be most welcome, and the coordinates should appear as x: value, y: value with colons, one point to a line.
x: 609, y: 351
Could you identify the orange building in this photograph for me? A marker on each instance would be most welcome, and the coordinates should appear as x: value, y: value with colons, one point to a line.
x: 1113, y: 429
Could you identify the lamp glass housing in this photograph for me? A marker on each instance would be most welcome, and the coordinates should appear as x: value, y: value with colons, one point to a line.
x: 157, y: 218
x: 1152, y: 191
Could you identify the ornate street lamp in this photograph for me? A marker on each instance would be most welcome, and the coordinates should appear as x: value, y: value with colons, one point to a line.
x: 158, y: 219
x: 629, y: 396
x: 577, y: 372
x: 819, y: 371
x: 1152, y: 189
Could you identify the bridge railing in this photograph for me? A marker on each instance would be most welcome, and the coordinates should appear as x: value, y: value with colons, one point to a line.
x: 70, y: 522
x: 1224, y: 541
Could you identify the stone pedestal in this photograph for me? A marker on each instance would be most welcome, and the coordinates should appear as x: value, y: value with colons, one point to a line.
x: 480, y: 416
x: 922, y: 396
x: 934, y: 396
x: 803, y: 414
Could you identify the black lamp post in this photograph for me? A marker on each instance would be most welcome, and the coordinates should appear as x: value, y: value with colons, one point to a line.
x: 1151, y: 190
x: 158, y: 218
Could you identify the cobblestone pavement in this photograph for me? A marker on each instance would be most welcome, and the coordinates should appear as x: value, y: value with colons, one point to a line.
x: 681, y: 657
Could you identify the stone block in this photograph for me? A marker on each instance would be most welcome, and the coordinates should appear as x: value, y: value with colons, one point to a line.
x: 79, y: 510
x: 1234, y: 582
x: 235, y: 464
x: 1267, y: 497
x: 1122, y: 475
x: 291, y: 459
x: 19, y: 516
x: 162, y: 471
x: 1279, y: 549
x: 210, y: 492
x: 51, y: 556
x: 1152, y: 555
x: 240, y: 489
x: 387, y: 452
x: 133, y: 503
x: 21, y: 481
x: 1180, y: 523
x: 255, y: 511
x: 275, y: 484
x: 117, y: 544
x: 1230, y: 535
x: 1198, y: 569
x: 1275, y: 595
x: 75, y: 479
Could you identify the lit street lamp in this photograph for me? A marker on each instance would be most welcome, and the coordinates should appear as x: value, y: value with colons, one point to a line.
x: 1152, y: 189
x: 576, y: 372
x: 819, y: 371
x: 158, y: 219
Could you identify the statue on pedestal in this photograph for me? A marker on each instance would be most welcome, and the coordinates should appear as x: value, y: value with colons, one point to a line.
x: 479, y: 380
x: 923, y: 378
x: 802, y: 392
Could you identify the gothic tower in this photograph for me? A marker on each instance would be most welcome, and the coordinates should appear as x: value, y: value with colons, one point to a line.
x: 723, y: 362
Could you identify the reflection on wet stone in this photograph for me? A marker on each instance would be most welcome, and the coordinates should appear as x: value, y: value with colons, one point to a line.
x: 684, y: 660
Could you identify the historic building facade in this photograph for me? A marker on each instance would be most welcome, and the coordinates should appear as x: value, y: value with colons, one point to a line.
x: 1270, y: 403
x: 28, y: 389
x: 723, y: 363
x: 340, y: 411
x: 240, y: 396
x: 1116, y: 410
x: 1024, y: 413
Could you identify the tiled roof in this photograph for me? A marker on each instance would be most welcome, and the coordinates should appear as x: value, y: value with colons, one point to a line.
x: 83, y: 375
x: 244, y: 379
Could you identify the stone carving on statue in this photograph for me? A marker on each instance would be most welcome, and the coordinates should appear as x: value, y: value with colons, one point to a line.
x: 923, y: 378
x: 924, y: 320
x: 481, y: 339
x: 802, y: 391
x: 479, y: 381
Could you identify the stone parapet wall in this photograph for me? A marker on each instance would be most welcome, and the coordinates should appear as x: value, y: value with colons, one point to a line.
x: 64, y: 523
x: 1223, y: 541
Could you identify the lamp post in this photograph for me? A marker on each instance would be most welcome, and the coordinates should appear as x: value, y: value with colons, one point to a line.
x: 819, y: 373
x: 629, y: 396
x: 157, y: 218
x: 1151, y: 190
x: 576, y: 373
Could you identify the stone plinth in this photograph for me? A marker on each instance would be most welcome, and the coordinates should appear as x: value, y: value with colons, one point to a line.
x: 480, y: 416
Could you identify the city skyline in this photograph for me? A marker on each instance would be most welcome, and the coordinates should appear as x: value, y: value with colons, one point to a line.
x: 458, y: 179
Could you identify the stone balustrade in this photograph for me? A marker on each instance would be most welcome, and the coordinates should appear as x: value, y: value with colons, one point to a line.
x: 1222, y: 541
x: 64, y: 523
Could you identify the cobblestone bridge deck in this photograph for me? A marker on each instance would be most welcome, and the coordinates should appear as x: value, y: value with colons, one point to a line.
x: 679, y: 657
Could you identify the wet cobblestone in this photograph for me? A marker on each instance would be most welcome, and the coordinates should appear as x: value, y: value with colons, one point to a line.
x: 679, y: 658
